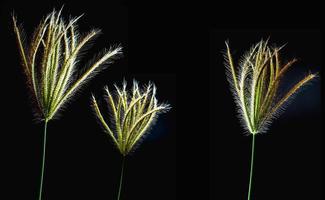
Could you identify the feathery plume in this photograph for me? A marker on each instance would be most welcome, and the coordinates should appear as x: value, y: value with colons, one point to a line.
x: 50, y: 64
x: 255, y: 87
x: 133, y: 113
x: 51, y: 59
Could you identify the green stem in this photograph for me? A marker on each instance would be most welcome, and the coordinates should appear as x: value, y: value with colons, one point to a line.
x: 251, y: 170
x: 43, y: 161
x: 121, y: 179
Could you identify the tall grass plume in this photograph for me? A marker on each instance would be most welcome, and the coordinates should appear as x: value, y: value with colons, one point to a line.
x: 255, y: 84
x: 133, y: 113
x: 50, y: 62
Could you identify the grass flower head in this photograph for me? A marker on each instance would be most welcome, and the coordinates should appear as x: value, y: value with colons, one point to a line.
x: 50, y: 61
x: 133, y: 113
x: 255, y: 85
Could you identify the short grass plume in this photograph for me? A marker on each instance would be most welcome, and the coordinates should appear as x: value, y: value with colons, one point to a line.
x: 132, y: 114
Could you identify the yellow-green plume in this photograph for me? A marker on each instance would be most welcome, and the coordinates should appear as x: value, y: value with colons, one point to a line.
x: 50, y: 61
x: 255, y: 85
x: 132, y: 113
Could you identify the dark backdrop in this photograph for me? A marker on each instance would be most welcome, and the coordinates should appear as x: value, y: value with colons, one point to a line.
x: 288, y: 158
x: 170, y: 43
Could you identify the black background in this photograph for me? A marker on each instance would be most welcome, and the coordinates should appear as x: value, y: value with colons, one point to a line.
x: 174, y: 45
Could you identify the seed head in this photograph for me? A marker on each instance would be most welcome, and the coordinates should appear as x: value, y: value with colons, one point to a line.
x: 50, y: 61
x: 255, y: 85
x: 132, y: 112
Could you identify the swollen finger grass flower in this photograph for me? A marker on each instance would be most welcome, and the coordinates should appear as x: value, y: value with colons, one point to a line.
x: 132, y: 112
x: 255, y: 86
x: 50, y: 63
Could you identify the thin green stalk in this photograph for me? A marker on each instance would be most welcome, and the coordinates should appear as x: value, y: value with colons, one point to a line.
x: 121, y: 179
x: 43, y: 161
x: 251, y: 170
